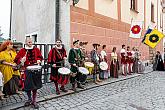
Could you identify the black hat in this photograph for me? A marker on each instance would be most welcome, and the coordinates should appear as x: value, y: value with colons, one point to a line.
x: 95, y: 44
x: 76, y: 41
x: 83, y: 43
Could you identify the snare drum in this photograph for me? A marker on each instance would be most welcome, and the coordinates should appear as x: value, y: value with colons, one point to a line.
x: 63, y: 77
x: 89, y: 66
x: 84, y: 72
x: 34, y: 67
x: 103, y: 66
x: 33, y: 75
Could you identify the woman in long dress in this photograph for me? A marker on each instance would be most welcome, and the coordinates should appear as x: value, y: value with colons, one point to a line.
x: 114, y: 67
x: 10, y: 75
x: 158, y: 64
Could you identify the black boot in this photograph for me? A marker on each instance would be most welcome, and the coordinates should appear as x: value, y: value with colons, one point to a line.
x: 62, y: 88
x: 80, y: 86
x: 74, y: 87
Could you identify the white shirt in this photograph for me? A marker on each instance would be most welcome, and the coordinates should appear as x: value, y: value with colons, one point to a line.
x: 27, y: 47
x: 103, y: 54
x: 133, y: 53
x: 97, y: 57
x: 123, y: 51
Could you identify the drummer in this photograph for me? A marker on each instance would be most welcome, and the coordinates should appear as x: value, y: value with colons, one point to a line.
x: 95, y: 58
x: 104, y: 59
x: 84, y: 57
x: 56, y: 58
x: 30, y: 55
x: 75, y: 59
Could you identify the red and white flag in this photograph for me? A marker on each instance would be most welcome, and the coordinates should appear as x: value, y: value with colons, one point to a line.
x: 136, y: 29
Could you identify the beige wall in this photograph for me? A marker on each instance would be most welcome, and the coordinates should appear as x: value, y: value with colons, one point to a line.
x: 157, y: 12
x: 127, y: 14
x: 107, y: 8
x: 83, y: 4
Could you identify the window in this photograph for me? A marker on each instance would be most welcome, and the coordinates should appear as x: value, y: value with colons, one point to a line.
x: 134, y: 5
x: 27, y: 36
x: 152, y: 12
x: 34, y: 38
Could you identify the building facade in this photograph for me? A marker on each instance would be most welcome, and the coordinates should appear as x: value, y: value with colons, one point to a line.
x: 96, y: 21
x: 108, y: 22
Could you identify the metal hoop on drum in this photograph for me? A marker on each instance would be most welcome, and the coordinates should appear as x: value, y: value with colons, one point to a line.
x: 64, y: 75
x: 34, y: 68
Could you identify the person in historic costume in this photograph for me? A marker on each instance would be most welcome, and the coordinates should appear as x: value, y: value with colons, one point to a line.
x: 133, y: 60
x: 123, y: 55
x: 95, y: 58
x: 7, y: 67
x: 114, y: 67
x: 84, y: 59
x: 56, y: 58
x: 129, y: 61
x: 158, y: 63
x: 30, y: 56
x: 136, y: 61
x: 75, y: 60
x: 103, y: 54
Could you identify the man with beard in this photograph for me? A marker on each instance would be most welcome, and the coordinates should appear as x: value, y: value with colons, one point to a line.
x: 56, y: 58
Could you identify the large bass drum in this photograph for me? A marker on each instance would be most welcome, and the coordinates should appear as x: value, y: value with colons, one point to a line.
x: 63, y: 75
x: 33, y: 75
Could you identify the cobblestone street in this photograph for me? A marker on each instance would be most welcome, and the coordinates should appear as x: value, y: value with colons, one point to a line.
x: 145, y: 92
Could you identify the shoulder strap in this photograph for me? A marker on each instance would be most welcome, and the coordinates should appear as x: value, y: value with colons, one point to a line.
x: 58, y: 53
x: 76, y: 54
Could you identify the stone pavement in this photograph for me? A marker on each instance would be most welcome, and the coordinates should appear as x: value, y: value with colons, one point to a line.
x: 48, y: 92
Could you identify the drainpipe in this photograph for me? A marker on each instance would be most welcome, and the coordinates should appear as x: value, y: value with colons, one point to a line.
x: 57, y: 29
x: 11, y: 6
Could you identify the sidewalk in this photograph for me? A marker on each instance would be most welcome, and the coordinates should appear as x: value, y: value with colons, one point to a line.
x: 47, y: 92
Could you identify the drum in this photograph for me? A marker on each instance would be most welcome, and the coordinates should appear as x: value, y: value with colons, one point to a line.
x: 63, y: 77
x: 103, y: 66
x: 33, y: 75
x: 89, y: 66
x: 84, y: 72
x: 34, y: 68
